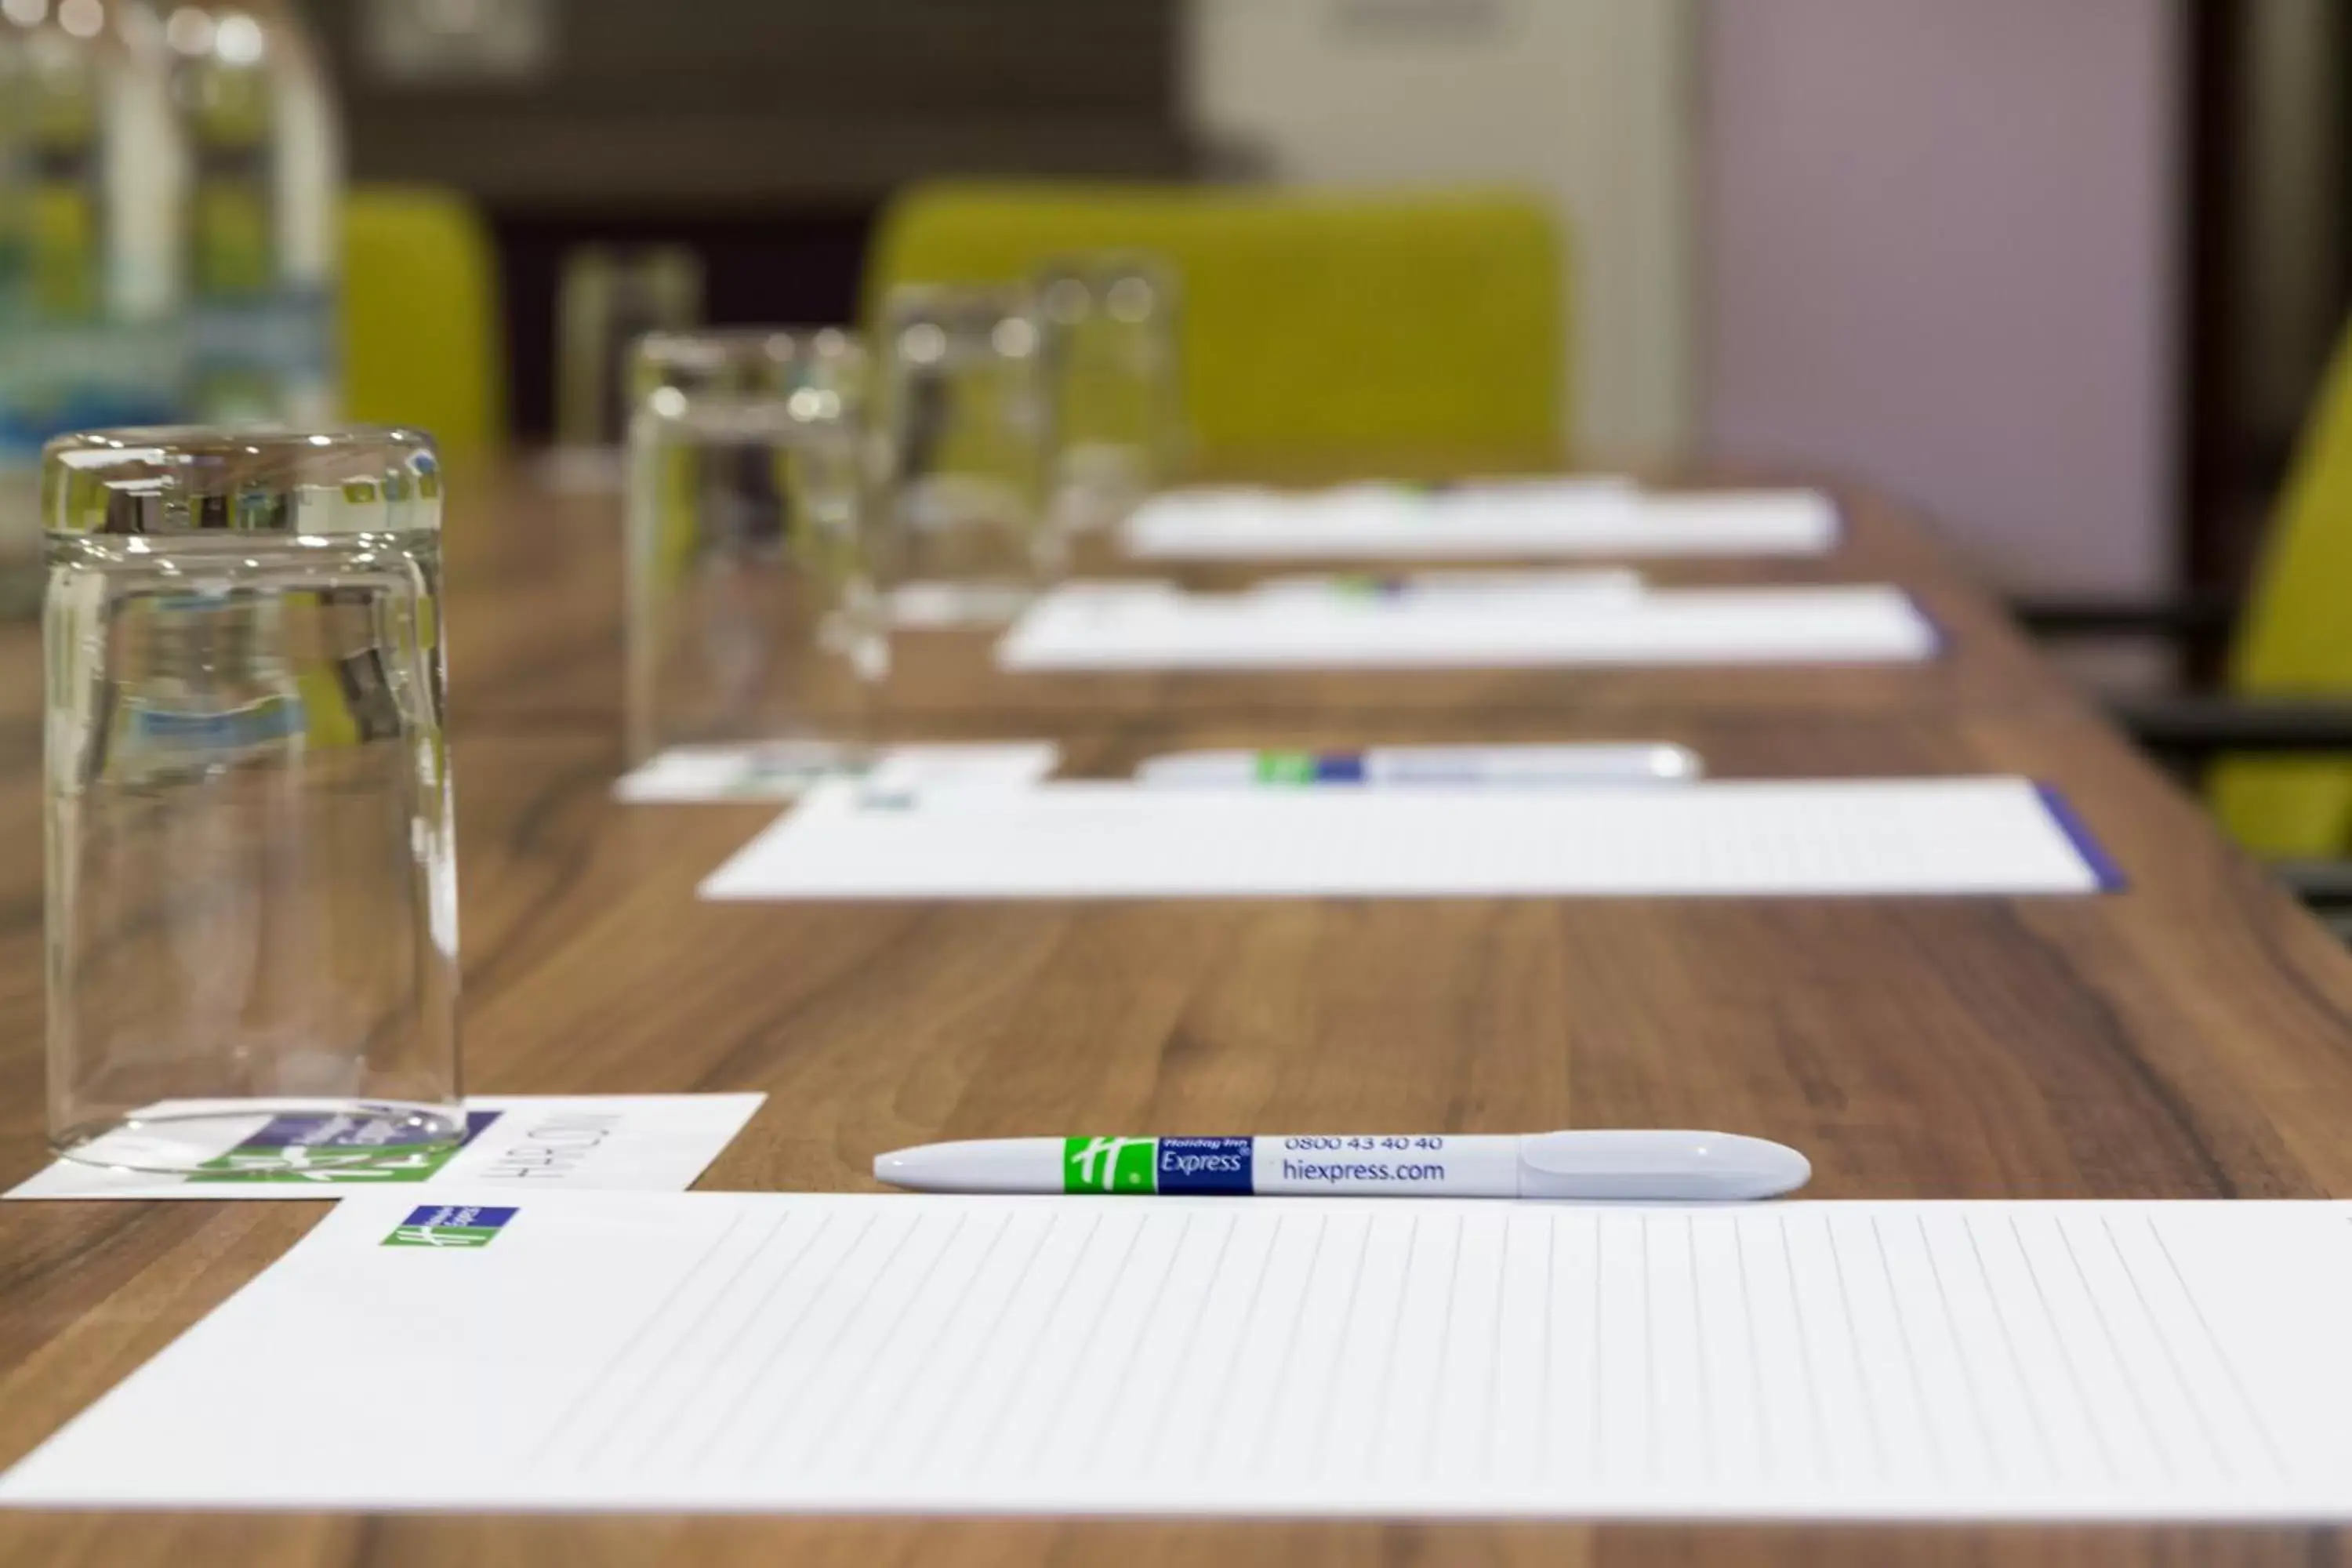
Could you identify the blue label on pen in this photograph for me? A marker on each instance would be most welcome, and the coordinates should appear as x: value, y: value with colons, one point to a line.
x: 1205, y: 1165
x: 1339, y: 767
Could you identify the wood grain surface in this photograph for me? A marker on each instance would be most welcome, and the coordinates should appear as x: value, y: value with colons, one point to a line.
x: 2189, y: 1037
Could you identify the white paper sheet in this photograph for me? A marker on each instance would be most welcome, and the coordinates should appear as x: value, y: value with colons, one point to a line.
x: 1862, y: 624
x: 1480, y: 521
x: 784, y: 770
x: 1112, y: 840
x: 1257, y: 1356
x: 521, y: 1142
x: 1524, y: 590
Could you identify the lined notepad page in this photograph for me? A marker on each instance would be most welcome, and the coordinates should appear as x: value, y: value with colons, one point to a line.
x: 1086, y: 627
x: 1118, y: 839
x: 715, y: 1351
x: 1524, y: 519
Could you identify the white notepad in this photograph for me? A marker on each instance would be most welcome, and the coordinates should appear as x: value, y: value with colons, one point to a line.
x: 1480, y: 521
x: 1257, y: 1356
x: 1086, y: 627
x: 1112, y: 840
x: 785, y: 770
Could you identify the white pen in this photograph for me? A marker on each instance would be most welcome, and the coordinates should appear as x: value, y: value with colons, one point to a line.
x: 1653, y: 1166
x: 1639, y: 762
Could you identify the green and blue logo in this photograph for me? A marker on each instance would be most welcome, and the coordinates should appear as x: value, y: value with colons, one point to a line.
x: 450, y: 1224
x: 1310, y: 767
x: 1131, y: 1165
x: 325, y: 1147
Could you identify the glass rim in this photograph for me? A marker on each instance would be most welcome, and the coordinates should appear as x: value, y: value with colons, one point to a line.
x: 698, y: 348
x: 1103, y: 260
x: 803, y: 416
x: 1009, y: 297
x: 113, y: 1140
x: 197, y: 478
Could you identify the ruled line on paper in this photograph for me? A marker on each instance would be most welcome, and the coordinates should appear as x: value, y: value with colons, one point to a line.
x: 1160, y: 1297
x: 1330, y: 1400
x: 883, y: 1430
x: 1968, y: 1375
x: 2221, y: 1354
x: 1261, y: 1429
x: 617, y: 1422
x: 1910, y: 1353
x: 2214, y: 1448
x: 588, y: 1391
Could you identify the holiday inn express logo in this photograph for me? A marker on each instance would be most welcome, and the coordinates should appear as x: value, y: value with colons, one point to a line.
x: 450, y: 1224
x: 1157, y: 1165
x: 324, y: 1148
x: 1108, y: 1164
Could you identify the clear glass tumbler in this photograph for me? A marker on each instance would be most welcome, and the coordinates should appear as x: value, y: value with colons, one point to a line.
x: 964, y: 428
x: 252, y: 942
x: 1114, y: 391
x: 607, y: 299
x: 752, y: 617
x: 829, y: 364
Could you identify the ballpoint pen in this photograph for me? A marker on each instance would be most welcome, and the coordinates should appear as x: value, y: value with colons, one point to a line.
x: 1591, y: 1164
x: 1636, y: 762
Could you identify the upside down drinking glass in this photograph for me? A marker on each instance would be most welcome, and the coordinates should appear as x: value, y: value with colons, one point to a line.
x: 962, y: 422
x: 752, y: 618
x: 252, y: 895
x: 1113, y: 392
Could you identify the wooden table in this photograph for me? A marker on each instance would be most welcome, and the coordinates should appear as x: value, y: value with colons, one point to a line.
x: 2188, y: 1037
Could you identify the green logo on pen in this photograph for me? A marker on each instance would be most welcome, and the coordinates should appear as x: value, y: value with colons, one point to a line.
x: 1285, y: 767
x: 1109, y: 1164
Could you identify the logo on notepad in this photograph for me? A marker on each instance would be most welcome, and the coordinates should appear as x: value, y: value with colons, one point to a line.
x: 327, y: 1147
x: 450, y: 1224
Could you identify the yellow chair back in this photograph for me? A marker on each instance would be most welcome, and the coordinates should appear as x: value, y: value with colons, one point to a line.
x: 1312, y: 324
x: 2297, y: 640
x: 422, y: 336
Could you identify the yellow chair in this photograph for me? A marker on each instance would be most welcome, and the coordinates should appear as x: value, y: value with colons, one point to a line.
x: 422, y: 340
x: 1314, y: 325
x: 2295, y: 641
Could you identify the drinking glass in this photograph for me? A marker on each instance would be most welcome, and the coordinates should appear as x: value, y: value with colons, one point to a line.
x: 252, y: 936
x: 607, y: 300
x: 1113, y: 385
x: 749, y: 361
x: 752, y: 617
x: 962, y: 432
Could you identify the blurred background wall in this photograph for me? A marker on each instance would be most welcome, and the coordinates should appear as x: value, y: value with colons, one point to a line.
x: 1588, y: 101
x: 2061, y: 272
x: 1941, y: 253
x: 765, y: 134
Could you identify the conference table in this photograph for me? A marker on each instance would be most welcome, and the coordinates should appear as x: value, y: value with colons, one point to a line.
x: 2188, y: 1036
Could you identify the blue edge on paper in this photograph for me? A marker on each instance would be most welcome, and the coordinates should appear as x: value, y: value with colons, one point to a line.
x: 2104, y: 870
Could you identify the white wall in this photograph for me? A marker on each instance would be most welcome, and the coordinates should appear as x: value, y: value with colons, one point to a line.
x: 1942, y: 241
x: 1586, y: 100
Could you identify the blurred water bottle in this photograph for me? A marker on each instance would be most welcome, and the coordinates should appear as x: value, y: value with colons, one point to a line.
x: 16, y: 165
x: 92, y: 179
x: 252, y: 897
x: 264, y: 152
